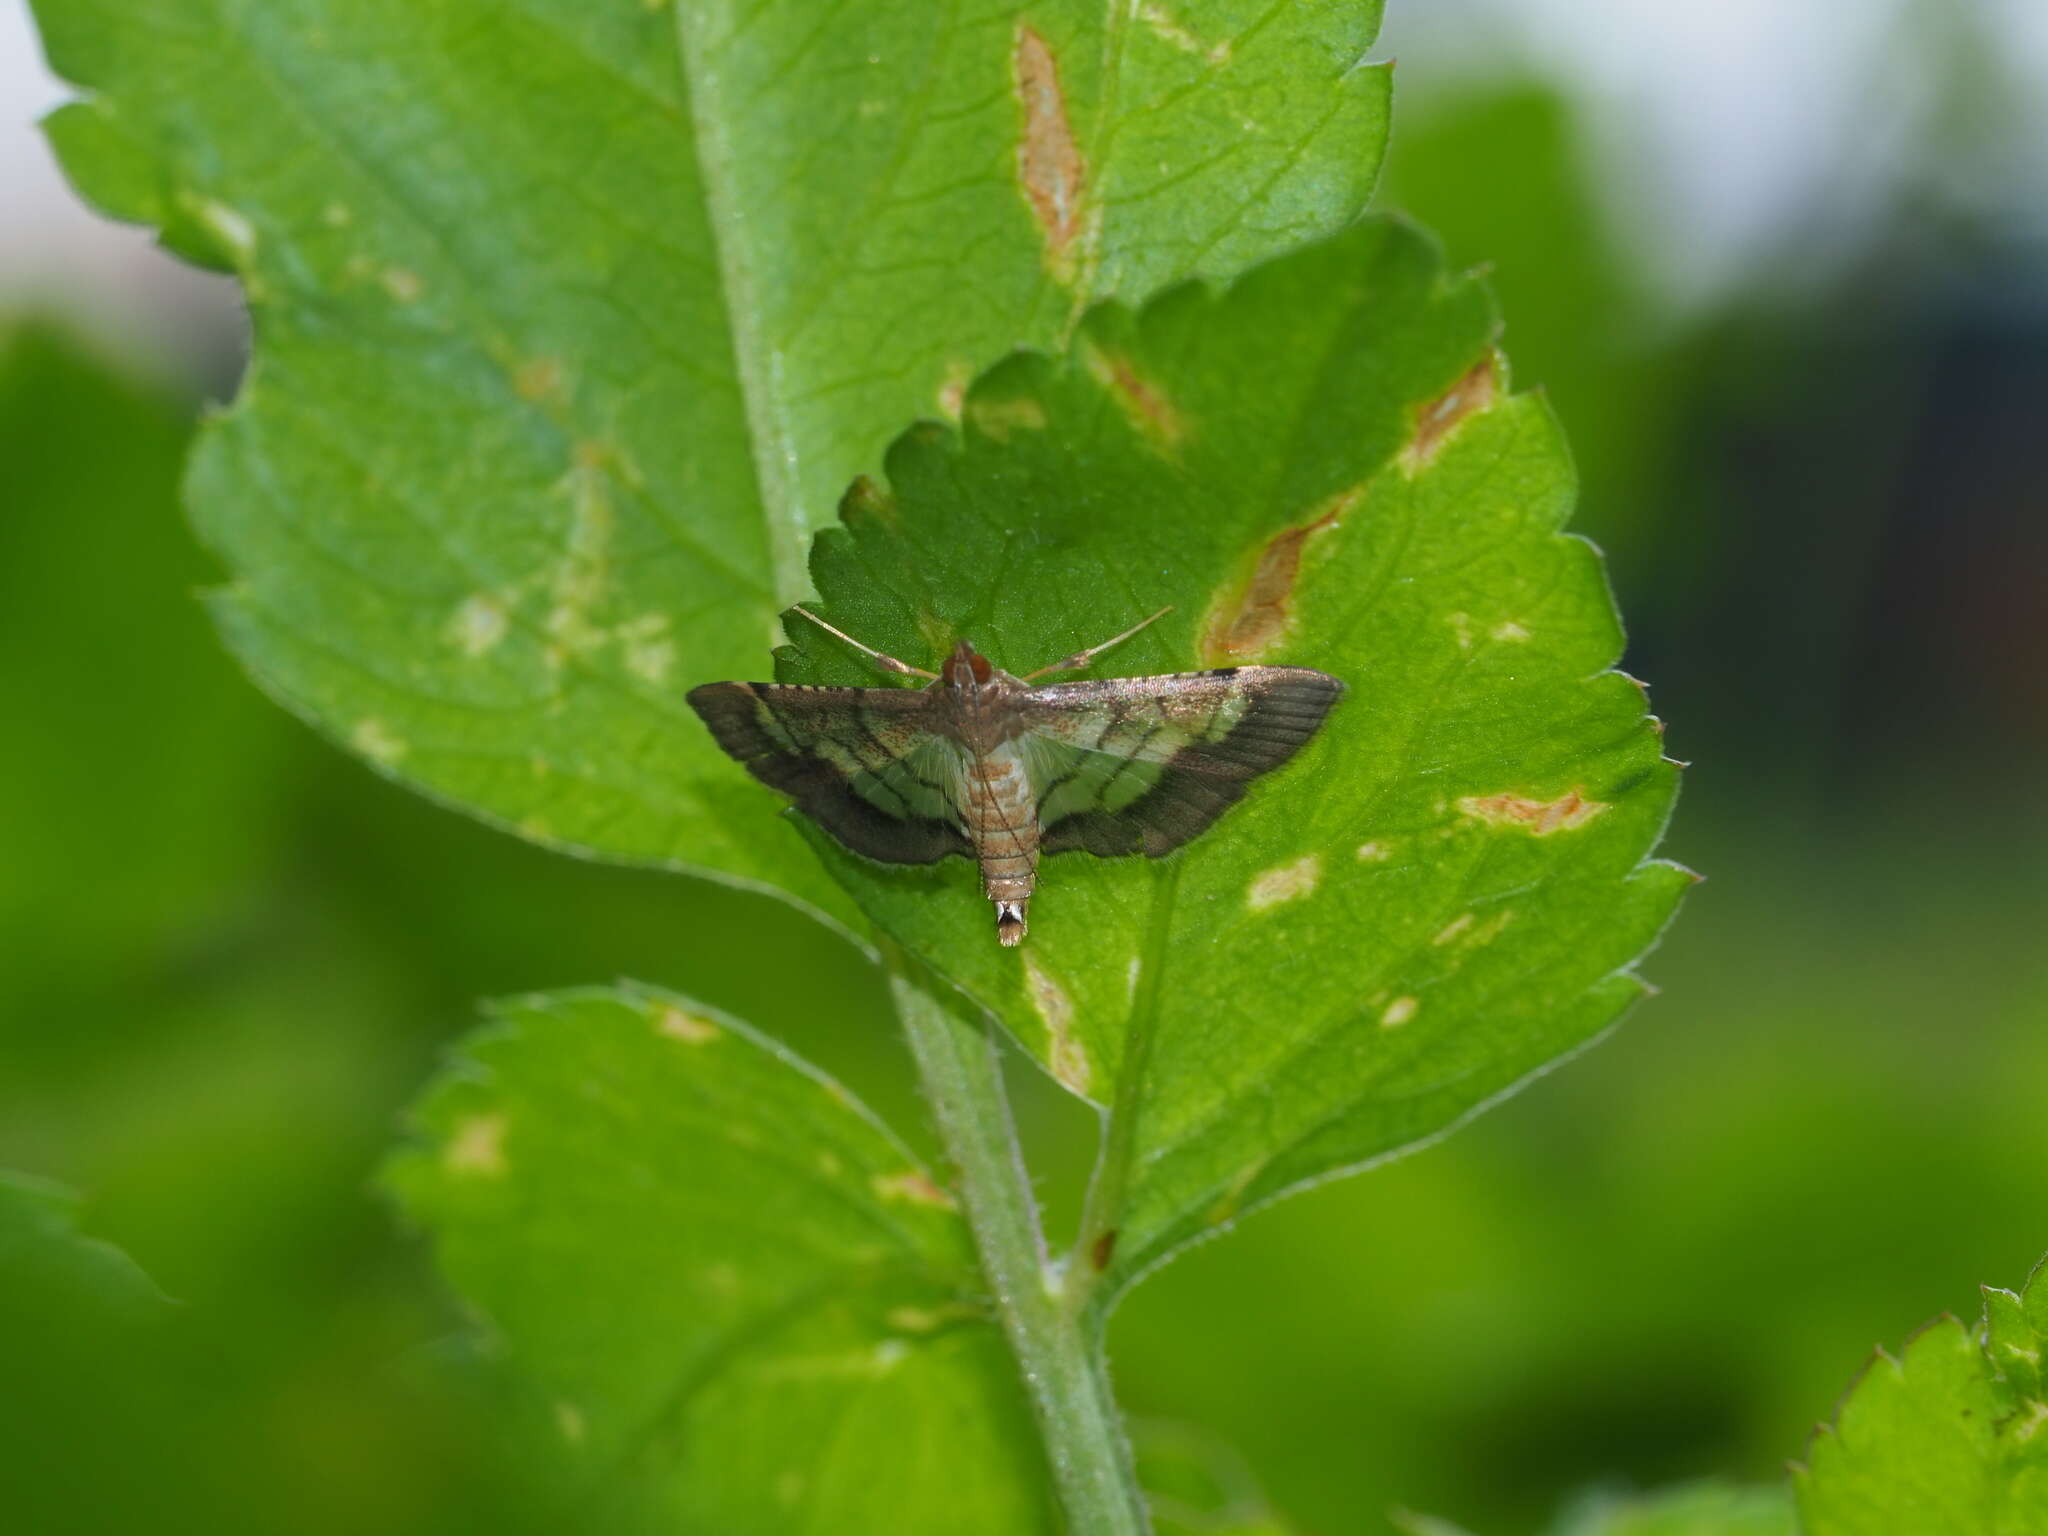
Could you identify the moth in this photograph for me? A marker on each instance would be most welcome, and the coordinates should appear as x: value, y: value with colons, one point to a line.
x: 991, y: 766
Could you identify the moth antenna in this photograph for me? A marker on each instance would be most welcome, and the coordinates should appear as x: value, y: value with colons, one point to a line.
x: 1080, y: 659
x: 886, y: 662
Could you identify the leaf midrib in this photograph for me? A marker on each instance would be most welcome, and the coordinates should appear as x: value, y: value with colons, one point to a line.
x: 771, y: 442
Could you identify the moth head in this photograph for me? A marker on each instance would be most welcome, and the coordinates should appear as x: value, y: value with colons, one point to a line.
x: 1010, y: 923
x: 966, y: 667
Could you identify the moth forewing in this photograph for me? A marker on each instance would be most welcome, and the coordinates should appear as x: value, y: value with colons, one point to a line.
x: 981, y: 763
x: 863, y: 763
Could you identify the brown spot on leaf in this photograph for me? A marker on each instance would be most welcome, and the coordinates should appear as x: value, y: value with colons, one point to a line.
x: 1255, y: 618
x: 1474, y: 392
x: 1539, y: 817
x: 1049, y: 163
x: 1102, y: 1250
x: 538, y: 379
x: 1144, y: 404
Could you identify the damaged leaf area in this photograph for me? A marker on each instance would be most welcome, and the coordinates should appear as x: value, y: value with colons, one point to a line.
x: 1446, y: 890
x: 539, y: 425
x: 1949, y: 1434
x: 683, y: 1295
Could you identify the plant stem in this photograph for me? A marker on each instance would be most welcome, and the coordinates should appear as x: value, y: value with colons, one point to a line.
x: 1056, y: 1351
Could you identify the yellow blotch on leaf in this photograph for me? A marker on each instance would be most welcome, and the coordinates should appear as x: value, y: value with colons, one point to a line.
x: 538, y: 379
x: 914, y: 1186
x: 1285, y: 882
x: 477, y: 1147
x: 569, y: 1419
x: 374, y: 739
x: 998, y: 419
x: 478, y: 624
x: 1067, y: 1060
x: 686, y: 1027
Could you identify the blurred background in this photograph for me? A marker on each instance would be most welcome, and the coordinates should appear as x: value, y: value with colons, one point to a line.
x: 1780, y: 269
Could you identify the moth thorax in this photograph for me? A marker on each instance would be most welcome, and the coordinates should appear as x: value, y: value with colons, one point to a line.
x: 1010, y: 924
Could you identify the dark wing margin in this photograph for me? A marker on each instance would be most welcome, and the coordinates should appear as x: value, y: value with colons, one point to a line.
x: 857, y: 761
x: 1145, y: 764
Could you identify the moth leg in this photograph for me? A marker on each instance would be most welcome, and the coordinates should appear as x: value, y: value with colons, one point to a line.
x: 885, y: 662
x: 1080, y: 659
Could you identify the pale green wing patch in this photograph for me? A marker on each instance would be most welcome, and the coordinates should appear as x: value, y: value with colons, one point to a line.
x: 1444, y: 890
x: 1071, y: 779
x: 689, y: 1293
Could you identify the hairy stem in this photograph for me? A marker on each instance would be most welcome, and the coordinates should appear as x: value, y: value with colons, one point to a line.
x: 1057, y: 1353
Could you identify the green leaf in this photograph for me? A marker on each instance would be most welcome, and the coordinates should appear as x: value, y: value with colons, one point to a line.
x: 1693, y: 1509
x: 48, y: 1266
x: 572, y: 322
x: 705, y: 1253
x: 1445, y: 891
x: 1696, y: 1509
x: 1196, y: 1485
x: 1949, y: 1437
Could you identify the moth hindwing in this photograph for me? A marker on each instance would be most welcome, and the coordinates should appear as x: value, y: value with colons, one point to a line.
x: 983, y: 764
